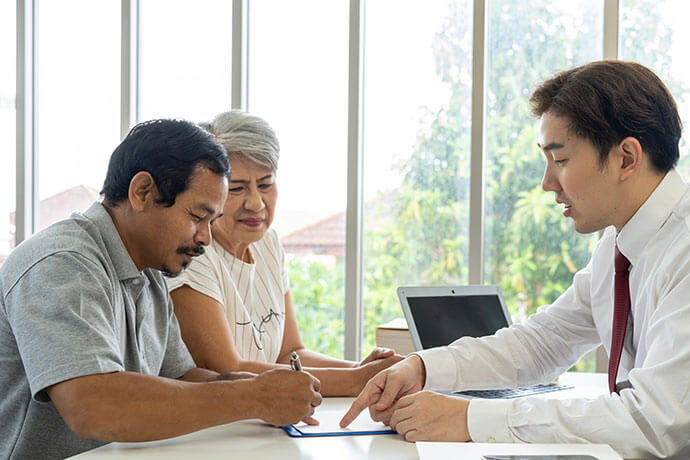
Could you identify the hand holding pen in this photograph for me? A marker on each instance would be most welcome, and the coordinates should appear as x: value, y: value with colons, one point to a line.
x: 286, y: 396
x: 295, y: 363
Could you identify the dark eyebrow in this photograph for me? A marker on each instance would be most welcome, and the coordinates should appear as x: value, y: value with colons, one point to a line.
x: 207, y: 208
x: 550, y: 146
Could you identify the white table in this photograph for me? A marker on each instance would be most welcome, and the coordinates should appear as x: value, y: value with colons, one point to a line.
x: 254, y: 440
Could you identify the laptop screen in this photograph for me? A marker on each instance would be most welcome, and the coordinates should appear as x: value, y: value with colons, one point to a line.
x: 440, y: 320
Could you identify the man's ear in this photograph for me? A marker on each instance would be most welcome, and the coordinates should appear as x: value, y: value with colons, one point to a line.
x: 631, y: 157
x: 142, y: 191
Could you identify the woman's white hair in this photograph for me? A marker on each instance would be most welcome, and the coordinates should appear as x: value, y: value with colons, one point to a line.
x: 245, y: 135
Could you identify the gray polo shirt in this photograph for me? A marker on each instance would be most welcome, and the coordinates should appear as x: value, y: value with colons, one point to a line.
x: 72, y: 303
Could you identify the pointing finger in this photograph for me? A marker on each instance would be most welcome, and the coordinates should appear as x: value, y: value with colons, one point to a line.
x: 367, y: 397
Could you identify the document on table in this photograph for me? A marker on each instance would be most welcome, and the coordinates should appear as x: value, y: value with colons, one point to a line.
x: 329, y: 425
x: 475, y: 451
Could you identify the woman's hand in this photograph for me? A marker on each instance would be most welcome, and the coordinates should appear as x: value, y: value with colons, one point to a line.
x: 365, y: 372
x: 377, y: 353
x: 378, y: 360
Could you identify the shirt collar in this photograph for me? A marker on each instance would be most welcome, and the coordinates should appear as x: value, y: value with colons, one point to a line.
x: 124, y: 265
x: 651, y: 216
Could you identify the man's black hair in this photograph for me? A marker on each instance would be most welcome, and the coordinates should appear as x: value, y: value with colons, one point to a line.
x: 171, y: 151
x: 607, y: 101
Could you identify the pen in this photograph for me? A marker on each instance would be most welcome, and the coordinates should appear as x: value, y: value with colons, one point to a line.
x: 295, y: 362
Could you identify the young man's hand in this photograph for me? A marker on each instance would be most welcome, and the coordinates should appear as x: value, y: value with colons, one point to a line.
x: 429, y: 416
x: 382, y: 391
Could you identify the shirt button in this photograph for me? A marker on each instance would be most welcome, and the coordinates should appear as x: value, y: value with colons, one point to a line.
x: 136, y: 282
x: 491, y: 439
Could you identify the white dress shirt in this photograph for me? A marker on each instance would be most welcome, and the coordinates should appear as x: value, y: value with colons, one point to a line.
x: 649, y: 419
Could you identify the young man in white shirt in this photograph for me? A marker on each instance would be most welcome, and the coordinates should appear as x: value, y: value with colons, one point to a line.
x: 609, y: 132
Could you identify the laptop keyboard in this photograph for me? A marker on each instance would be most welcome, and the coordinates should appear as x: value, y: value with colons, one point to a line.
x: 509, y: 393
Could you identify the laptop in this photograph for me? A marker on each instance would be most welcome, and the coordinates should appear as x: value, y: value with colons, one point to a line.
x: 439, y: 315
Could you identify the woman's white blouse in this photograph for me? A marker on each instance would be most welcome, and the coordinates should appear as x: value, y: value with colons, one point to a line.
x: 253, y: 295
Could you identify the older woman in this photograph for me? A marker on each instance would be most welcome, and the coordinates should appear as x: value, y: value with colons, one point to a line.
x: 233, y: 303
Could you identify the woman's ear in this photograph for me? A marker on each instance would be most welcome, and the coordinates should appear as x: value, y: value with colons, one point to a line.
x: 142, y: 191
x: 630, y: 152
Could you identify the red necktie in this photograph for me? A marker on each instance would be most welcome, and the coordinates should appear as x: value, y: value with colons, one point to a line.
x: 621, y: 308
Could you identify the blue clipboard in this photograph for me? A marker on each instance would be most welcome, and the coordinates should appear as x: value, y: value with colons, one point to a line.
x: 294, y: 432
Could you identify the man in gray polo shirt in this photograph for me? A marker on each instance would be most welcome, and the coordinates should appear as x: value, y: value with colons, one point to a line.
x: 90, y: 350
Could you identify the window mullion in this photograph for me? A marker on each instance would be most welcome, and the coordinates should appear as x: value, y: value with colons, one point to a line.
x: 129, y: 65
x: 353, y: 226
x: 610, y: 50
x: 26, y: 186
x: 240, y: 37
x: 476, y: 224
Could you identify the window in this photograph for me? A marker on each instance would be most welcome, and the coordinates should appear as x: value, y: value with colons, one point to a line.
x: 656, y: 34
x: 185, y: 59
x: 416, y: 108
x: 532, y: 259
x: 8, y: 61
x: 527, y: 43
x: 417, y: 101
x: 78, y: 102
x: 298, y: 84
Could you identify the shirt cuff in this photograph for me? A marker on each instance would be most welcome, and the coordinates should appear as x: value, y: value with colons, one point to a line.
x: 440, y: 369
x: 487, y: 420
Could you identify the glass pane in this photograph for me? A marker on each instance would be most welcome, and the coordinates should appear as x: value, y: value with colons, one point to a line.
x: 8, y: 61
x: 417, y: 104
x: 655, y: 33
x: 298, y: 83
x: 531, y: 251
x: 78, y: 102
x: 186, y: 58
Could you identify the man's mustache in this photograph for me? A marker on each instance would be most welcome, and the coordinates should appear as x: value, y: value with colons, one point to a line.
x: 196, y: 250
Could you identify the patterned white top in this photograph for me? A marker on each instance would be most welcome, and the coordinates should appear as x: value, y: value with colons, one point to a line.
x: 253, y: 295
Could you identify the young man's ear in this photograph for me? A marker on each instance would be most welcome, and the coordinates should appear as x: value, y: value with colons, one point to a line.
x: 630, y: 153
x: 142, y: 191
